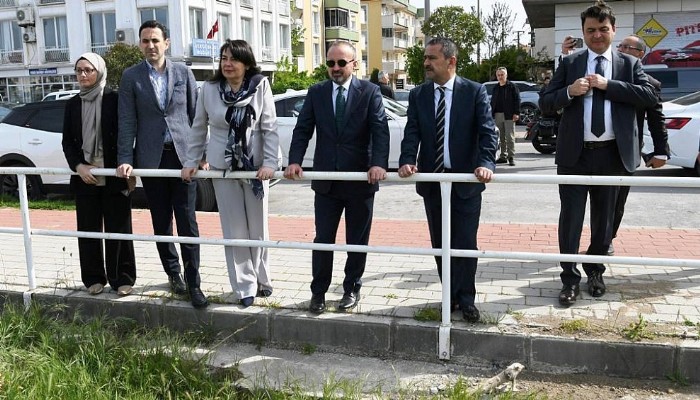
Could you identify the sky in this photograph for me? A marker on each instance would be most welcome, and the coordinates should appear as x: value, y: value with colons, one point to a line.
x: 515, y: 6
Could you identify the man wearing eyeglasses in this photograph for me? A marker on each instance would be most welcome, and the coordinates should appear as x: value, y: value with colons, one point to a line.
x: 157, y: 100
x: 636, y: 47
x: 352, y: 135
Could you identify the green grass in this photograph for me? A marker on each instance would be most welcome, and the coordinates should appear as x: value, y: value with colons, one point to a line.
x: 574, y: 326
x: 428, y: 314
x: 43, y: 204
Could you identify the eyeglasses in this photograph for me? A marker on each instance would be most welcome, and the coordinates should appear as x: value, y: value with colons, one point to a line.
x: 341, y: 63
x: 86, y: 71
x: 627, y: 47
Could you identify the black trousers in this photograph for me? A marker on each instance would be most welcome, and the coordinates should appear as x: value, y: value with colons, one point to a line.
x: 102, y: 210
x: 600, y: 161
x: 168, y: 196
x: 328, y: 208
x: 464, y: 218
x: 620, y: 208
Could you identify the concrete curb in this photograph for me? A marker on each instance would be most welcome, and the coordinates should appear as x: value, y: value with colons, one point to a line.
x: 473, y: 346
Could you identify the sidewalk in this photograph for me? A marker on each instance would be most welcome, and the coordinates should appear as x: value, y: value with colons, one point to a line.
x: 515, y: 298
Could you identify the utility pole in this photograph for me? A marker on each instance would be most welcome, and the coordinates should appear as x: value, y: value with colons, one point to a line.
x: 478, y: 45
x: 426, y: 12
x: 518, y: 35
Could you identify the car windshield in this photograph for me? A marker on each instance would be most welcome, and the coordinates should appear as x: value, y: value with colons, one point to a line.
x: 395, y: 107
x: 688, y: 99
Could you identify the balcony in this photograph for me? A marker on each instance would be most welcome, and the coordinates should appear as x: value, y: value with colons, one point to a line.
x: 56, y: 55
x: 395, y: 21
x: 267, y: 53
x: 11, y: 57
x: 342, y: 33
x: 101, y: 48
x: 389, y: 44
x: 393, y: 66
x: 8, y: 3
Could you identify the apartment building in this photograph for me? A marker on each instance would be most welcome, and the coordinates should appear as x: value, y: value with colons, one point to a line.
x: 389, y: 29
x: 41, y: 39
x: 322, y: 22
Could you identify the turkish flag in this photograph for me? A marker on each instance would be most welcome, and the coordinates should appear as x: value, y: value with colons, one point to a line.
x: 213, y: 30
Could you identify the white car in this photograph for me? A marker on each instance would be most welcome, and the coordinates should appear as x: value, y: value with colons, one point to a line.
x: 683, y: 125
x: 288, y: 105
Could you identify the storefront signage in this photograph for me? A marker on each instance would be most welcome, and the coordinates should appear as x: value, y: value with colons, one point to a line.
x: 43, y: 71
x: 205, y: 48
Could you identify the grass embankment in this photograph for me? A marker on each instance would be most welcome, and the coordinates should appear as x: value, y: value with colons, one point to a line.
x: 43, y: 204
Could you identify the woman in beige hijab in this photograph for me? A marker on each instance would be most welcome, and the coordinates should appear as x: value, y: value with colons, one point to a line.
x: 101, y: 203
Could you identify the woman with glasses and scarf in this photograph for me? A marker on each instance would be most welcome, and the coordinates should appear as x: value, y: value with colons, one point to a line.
x: 102, y: 203
x: 237, y: 106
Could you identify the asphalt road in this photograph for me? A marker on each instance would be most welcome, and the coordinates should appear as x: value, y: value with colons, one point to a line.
x: 519, y: 203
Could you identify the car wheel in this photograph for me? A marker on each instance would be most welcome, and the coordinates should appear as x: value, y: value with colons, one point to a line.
x: 9, y: 184
x: 544, y: 148
x: 527, y: 114
x: 206, y: 199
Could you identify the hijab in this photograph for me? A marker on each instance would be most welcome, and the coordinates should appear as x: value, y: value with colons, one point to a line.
x: 92, y: 110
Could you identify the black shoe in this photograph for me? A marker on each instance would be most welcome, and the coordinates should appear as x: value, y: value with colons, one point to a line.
x: 247, y: 301
x: 317, y: 305
x: 470, y: 313
x: 264, y: 293
x: 596, y: 286
x: 501, y: 161
x: 349, y: 300
x: 177, y: 285
x: 611, y: 250
x: 453, y: 305
x: 568, y: 295
x: 199, y: 300
x: 511, y: 162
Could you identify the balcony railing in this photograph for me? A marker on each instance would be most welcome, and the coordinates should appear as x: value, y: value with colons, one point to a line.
x: 265, y: 5
x: 283, y: 7
x: 52, y: 1
x: 8, y: 3
x: 57, y: 55
x: 101, y: 48
x: 267, y: 53
x: 247, y: 3
x: 11, y: 57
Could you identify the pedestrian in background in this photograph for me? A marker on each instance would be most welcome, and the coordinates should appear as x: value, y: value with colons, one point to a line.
x: 384, y: 86
x: 505, y: 106
x: 101, y: 203
x: 237, y: 110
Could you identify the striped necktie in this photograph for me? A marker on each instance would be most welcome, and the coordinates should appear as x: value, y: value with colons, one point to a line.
x: 440, y: 133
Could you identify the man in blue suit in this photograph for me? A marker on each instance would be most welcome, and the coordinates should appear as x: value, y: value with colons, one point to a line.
x: 449, y: 120
x: 157, y: 100
x: 599, y: 91
x: 352, y: 134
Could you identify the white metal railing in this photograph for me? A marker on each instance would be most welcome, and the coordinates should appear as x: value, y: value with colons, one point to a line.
x: 446, y: 252
x: 56, y: 54
x: 11, y: 56
x: 101, y: 48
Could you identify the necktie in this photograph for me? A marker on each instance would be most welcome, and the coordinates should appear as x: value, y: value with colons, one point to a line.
x: 440, y: 133
x: 339, y: 109
x: 598, y: 110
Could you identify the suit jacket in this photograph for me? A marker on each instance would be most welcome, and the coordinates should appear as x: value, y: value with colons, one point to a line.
x: 472, y: 137
x: 73, y: 141
x: 363, y: 141
x: 655, y: 121
x: 628, y: 89
x: 142, y: 122
x: 386, y: 90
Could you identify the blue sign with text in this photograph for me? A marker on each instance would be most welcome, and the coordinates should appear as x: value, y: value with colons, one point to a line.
x: 205, y: 48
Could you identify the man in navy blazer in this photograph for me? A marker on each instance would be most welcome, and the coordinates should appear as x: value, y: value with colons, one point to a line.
x: 157, y: 100
x: 594, y: 143
x: 470, y: 142
x: 352, y: 135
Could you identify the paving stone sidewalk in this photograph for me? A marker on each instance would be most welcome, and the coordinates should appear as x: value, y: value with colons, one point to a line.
x: 509, y: 292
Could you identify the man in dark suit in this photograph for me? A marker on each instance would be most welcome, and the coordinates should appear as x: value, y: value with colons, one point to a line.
x: 157, y: 100
x: 450, y: 121
x: 352, y: 134
x: 599, y: 91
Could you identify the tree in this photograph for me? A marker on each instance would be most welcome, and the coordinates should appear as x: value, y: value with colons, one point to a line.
x: 288, y: 76
x: 454, y: 23
x: 120, y: 57
x: 374, y: 76
x: 521, y: 67
x: 414, y: 64
x: 499, y: 24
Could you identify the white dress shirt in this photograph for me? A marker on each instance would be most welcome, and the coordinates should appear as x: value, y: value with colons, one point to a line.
x: 609, y: 134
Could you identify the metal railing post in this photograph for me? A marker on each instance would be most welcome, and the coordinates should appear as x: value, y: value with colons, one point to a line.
x: 446, y: 324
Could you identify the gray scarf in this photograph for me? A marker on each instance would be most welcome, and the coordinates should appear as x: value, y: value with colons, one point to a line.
x: 92, y: 111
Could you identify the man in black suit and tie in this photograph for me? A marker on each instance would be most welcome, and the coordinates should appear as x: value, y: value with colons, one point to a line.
x: 157, y: 100
x: 352, y: 134
x: 450, y: 121
x: 599, y: 91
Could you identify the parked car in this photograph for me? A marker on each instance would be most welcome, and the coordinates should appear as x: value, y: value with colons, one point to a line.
x: 675, y: 82
x: 288, y: 105
x: 61, y: 94
x: 401, y: 96
x: 529, y: 99
x: 683, y: 124
x: 31, y: 137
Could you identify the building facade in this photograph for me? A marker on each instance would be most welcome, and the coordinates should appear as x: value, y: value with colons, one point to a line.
x: 41, y: 39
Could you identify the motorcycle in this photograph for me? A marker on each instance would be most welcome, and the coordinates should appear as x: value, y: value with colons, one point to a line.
x: 542, y: 132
